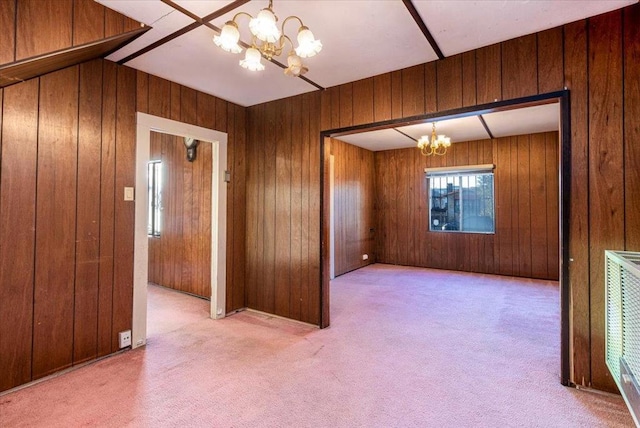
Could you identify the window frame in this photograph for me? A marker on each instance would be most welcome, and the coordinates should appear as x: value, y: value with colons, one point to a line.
x: 459, y: 172
x: 154, y: 212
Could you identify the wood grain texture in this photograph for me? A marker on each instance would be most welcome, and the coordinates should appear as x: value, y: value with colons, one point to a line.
x: 413, y: 91
x: 87, y: 266
x: 354, y: 215
x: 631, y: 127
x: 449, y: 83
x: 125, y: 156
x: 363, y: 101
x: 576, y: 79
x: 88, y: 21
x: 35, y: 18
x: 521, y: 178
x: 489, y: 74
x: 283, y: 211
x: 469, y: 79
x: 18, y: 169
x: 519, y: 67
x: 55, y: 222
x: 8, y: 24
x: 381, y: 97
x: 107, y: 208
x: 550, y: 60
x: 606, y: 177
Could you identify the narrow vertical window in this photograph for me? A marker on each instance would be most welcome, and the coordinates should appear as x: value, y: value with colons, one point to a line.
x: 155, y: 198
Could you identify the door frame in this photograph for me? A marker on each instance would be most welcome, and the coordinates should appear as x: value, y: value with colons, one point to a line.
x: 145, y: 123
x: 564, y: 203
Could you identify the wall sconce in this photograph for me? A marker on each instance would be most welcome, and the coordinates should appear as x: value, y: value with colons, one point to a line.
x: 191, y: 144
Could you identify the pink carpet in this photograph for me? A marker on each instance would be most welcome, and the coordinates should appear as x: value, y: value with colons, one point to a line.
x: 408, y: 347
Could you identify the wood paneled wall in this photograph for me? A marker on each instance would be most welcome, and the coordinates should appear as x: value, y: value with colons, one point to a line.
x: 163, y: 98
x: 180, y: 258
x: 66, y: 243
x: 67, y: 146
x: 354, y: 206
x: 34, y: 27
x: 526, y: 209
x: 596, y: 59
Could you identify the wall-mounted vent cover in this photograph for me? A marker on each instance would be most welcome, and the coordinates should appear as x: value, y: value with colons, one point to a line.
x: 622, y: 290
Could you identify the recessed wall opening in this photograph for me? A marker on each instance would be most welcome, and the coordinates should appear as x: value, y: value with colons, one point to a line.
x: 185, y: 250
x: 388, y: 203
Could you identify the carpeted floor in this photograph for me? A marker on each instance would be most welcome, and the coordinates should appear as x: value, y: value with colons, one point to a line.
x: 408, y: 347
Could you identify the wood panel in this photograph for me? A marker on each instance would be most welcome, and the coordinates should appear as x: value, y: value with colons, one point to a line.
x: 533, y: 64
x: 363, y: 101
x: 178, y: 258
x: 631, y: 107
x: 606, y: 177
x: 489, y: 74
x: 550, y: 60
x: 19, y: 151
x: 413, y: 90
x: 88, y: 21
x: 36, y: 17
x: 576, y: 79
x: 354, y: 214
x: 519, y: 67
x: 523, y: 188
x: 8, y: 24
x: 107, y: 208
x: 283, y: 211
x: 56, y: 222
x: 87, y: 264
x: 449, y: 72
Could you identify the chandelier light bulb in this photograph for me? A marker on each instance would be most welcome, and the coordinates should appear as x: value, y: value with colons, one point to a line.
x: 264, y: 26
x: 295, y: 66
x: 252, y: 61
x: 228, y: 38
x: 308, y: 46
x: 436, y: 145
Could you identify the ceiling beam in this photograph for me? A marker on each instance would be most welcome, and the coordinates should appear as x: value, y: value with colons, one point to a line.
x: 198, y: 23
x: 406, y: 135
x: 486, y: 127
x: 423, y: 27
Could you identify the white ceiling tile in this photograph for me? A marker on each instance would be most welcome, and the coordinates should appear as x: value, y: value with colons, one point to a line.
x: 459, y: 129
x: 543, y: 118
x: 202, y: 8
x: 384, y: 139
x: 146, y: 11
x: 194, y: 61
x: 462, y: 25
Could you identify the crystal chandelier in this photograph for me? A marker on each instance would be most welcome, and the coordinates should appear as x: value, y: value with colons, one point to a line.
x: 434, y: 146
x: 268, y: 41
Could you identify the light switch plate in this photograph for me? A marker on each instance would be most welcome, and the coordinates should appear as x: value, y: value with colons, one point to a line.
x: 128, y: 194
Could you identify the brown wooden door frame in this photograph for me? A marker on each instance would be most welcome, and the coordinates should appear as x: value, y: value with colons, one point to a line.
x: 564, y: 166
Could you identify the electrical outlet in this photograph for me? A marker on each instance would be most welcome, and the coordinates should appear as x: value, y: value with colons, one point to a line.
x: 125, y: 338
x: 365, y: 257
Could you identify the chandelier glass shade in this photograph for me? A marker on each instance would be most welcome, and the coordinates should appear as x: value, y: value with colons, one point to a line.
x: 436, y: 145
x: 269, y: 40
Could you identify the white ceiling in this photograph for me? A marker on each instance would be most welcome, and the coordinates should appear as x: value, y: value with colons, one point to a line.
x: 360, y: 38
x: 521, y: 121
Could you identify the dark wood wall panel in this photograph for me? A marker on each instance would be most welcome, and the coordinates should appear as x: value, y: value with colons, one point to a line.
x: 519, y: 67
x: 449, y: 75
x: 354, y: 215
x: 606, y: 175
x: 107, y: 209
x: 87, y: 269
x: 576, y: 79
x: 631, y: 108
x: 55, y: 222
x: 75, y: 131
x: 526, y: 195
x: 180, y: 257
x: 19, y: 151
x: 8, y: 25
x: 35, y: 27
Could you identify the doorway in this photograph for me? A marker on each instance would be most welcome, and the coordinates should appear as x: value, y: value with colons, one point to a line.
x: 146, y: 124
x: 562, y: 185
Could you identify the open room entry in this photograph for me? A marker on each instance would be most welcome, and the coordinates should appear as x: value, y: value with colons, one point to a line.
x: 550, y: 161
x: 145, y: 125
